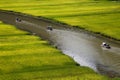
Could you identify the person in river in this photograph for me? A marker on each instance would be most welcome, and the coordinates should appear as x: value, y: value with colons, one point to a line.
x: 18, y: 20
x: 104, y: 44
x: 49, y: 28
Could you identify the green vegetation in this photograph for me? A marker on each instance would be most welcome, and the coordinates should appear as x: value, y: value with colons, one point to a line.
x: 100, y: 16
x: 27, y: 57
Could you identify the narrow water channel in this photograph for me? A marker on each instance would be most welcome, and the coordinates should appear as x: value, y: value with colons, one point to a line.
x: 83, y: 47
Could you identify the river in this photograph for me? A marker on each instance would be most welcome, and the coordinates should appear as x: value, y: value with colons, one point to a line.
x: 84, y: 47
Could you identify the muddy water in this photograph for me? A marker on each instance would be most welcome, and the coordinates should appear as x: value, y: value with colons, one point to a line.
x: 84, y: 48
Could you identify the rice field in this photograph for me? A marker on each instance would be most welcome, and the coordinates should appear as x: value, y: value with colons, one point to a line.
x: 27, y: 57
x: 100, y: 16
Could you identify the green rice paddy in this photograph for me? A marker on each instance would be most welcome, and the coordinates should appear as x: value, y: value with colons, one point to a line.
x: 27, y: 57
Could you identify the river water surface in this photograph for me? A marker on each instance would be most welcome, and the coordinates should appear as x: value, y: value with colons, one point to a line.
x: 83, y: 47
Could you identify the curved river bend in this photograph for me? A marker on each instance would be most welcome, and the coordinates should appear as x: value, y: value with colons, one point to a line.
x: 84, y: 48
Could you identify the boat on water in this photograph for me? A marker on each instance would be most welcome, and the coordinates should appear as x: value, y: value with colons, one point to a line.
x: 105, y: 45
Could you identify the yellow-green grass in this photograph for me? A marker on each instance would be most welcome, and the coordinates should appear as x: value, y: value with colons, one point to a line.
x: 27, y: 57
x: 95, y: 15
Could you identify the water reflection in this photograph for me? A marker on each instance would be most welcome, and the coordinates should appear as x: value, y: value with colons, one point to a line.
x: 86, y: 50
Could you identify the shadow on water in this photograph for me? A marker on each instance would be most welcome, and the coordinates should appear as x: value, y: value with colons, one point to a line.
x: 84, y: 48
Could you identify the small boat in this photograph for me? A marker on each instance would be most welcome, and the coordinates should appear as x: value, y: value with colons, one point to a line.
x: 18, y: 20
x: 49, y: 28
x: 105, y: 45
